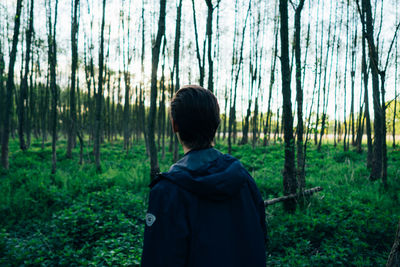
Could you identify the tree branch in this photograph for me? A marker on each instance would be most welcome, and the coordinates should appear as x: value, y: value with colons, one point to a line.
x: 292, y: 196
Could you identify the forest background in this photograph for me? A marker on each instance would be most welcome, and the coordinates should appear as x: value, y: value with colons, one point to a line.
x: 308, y: 96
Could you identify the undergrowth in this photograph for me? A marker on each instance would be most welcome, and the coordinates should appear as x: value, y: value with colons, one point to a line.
x: 80, y: 217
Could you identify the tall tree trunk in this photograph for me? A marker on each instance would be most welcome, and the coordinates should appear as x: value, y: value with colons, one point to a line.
x: 315, y: 130
x: 24, y: 83
x: 198, y: 56
x: 10, y: 88
x: 289, y: 178
x: 127, y: 78
x: 268, y: 125
x: 2, y: 91
x: 74, y: 66
x: 376, y: 171
x: 176, y: 65
x: 232, y: 113
x: 209, y: 27
x: 324, y: 87
x: 366, y: 99
x: 395, y: 99
x: 353, y: 75
x: 99, y: 94
x: 154, y: 168
x: 319, y: 76
x: 53, y: 85
x: 384, y: 147
x: 345, y: 147
x: 299, y: 98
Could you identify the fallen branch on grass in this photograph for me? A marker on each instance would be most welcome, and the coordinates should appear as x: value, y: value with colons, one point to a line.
x: 307, y: 192
x: 394, y: 256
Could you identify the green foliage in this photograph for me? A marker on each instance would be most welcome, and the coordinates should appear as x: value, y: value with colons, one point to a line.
x: 80, y: 217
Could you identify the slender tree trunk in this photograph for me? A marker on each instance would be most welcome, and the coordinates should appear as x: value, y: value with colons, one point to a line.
x: 395, y: 92
x: 198, y: 56
x: 10, y: 88
x: 74, y: 66
x: 353, y: 74
x: 154, y: 168
x: 127, y: 79
x: 268, y: 126
x: 209, y: 27
x: 289, y: 178
x: 99, y: 94
x: 324, y: 87
x: 366, y: 99
x: 319, y: 76
x: 53, y: 85
x: 24, y: 83
x: 299, y: 98
x: 176, y: 65
x: 384, y: 147
x: 345, y: 147
x: 376, y: 171
x: 232, y: 113
x: 2, y: 91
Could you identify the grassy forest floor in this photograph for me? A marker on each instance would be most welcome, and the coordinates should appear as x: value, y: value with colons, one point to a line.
x: 79, y: 217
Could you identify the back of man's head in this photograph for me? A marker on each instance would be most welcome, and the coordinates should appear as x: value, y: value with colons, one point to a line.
x: 195, y: 112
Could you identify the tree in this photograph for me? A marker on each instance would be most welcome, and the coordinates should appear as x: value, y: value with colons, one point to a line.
x: 2, y: 92
x: 376, y: 171
x: 365, y: 83
x: 210, y: 9
x: 10, y: 88
x: 236, y: 66
x: 154, y: 168
x: 22, y: 110
x: 200, y: 60
x: 127, y: 78
x: 268, y: 126
x: 175, y: 71
x: 52, y: 54
x: 74, y: 65
x: 99, y: 94
x: 289, y: 178
x: 299, y: 98
x: 395, y: 93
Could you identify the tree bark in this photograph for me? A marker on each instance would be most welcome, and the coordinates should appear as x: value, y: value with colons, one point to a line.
x: 176, y: 66
x: 376, y: 171
x: 74, y: 66
x: 299, y: 98
x: 10, y: 87
x: 24, y: 84
x: 307, y: 192
x: 209, y: 26
x: 99, y: 94
x: 268, y: 125
x: 289, y: 178
x: 154, y: 168
x: 198, y: 56
x: 53, y: 85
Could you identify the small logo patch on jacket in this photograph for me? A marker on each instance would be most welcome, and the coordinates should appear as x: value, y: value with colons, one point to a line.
x: 150, y: 219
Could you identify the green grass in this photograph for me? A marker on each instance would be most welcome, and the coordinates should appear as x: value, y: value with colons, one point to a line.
x: 80, y: 217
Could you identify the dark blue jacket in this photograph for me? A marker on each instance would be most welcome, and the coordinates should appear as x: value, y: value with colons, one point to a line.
x: 205, y: 211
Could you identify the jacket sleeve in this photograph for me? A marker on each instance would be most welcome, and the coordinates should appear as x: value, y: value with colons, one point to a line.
x: 166, y: 235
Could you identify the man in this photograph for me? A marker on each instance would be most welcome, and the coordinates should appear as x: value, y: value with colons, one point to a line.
x: 206, y: 210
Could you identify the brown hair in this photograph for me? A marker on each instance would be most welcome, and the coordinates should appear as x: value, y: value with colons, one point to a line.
x: 195, y: 111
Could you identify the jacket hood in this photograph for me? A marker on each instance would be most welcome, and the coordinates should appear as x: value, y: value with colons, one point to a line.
x: 208, y: 173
